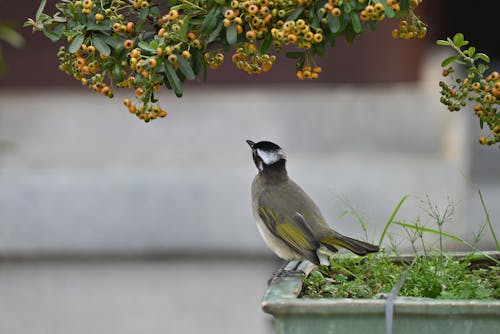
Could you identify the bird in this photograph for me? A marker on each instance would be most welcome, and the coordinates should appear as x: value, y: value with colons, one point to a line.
x: 289, y: 221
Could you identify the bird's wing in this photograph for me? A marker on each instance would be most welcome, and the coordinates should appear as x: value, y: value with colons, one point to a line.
x: 294, y: 231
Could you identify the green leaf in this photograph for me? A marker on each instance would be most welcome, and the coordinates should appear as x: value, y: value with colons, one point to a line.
x: 333, y: 23
x: 146, y: 47
x: 185, y: 68
x: 197, y: 62
x: 470, y: 51
x: 356, y: 23
x: 428, y: 230
x: 155, y: 11
x: 231, y: 34
x: 266, y: 43
x: 210, y: 21
x: 295, y: 54
x: 53, y: 35
x: 215, y: 33
x: 404, y: 5
x: 40, y: 9
x: 350, y: 35
x: 458, y: 39
x: 59, y: 19
x: 117, y: 72
x: 295, y: 14
x: 442, y: 42
x: 388, y: 10
x: 11, y: 36
x: 482, y: 56
x: 143, y: 16
x: 448, y: 61
x: 101, y: 45
x: 184, y: 28
x: 482, y: 68
x: 113, y: 42
x: 347, y: 8
x: 173, y: 79
x: 92, y: 26
x: 76, y: 43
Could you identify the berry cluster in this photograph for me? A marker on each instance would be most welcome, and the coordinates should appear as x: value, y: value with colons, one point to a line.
x: 413, y: 27
x: 308, y: 72
x: 476, y: 88
x: 144, y: 45
x: 376, y: 12
x: 297, y: 32
x: 250, y: 60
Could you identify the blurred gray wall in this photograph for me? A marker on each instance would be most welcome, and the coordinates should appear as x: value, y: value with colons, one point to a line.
x: 79, y: 175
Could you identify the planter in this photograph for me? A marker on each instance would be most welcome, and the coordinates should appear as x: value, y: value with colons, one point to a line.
x: 411, y: 315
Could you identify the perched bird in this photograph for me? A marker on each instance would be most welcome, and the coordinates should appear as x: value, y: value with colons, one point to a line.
x: 287, y: 218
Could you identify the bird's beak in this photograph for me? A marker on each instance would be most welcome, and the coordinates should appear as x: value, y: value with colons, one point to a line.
x: 251, y: 143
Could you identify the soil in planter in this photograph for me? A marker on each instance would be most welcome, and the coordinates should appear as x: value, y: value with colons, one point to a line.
x: 432, y: 276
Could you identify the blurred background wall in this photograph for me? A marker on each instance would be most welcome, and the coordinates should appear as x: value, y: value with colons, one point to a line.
x: 110, y: 224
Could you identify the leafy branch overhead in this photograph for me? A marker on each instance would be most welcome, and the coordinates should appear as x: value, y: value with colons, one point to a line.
x: 475, y: 85
x: 145, y: 45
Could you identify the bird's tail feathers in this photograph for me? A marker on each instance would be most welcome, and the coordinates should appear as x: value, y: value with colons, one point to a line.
x: 334, y: 240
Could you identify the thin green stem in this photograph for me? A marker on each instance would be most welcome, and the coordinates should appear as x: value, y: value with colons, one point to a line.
x: 488, y: 219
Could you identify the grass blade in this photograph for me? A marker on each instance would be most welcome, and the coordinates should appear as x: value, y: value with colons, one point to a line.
x: 488, y: 219
x: 391, y: 219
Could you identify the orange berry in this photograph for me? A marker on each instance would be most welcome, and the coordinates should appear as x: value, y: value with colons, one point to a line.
x: 173, y: 15
x: 105, y: 90
x: 130, y: 27
x: 266, y: 67
x: 172, y: 59
x: 132, y: 109
x: 129, y: 44
x: 318, y: 37
x: 80, y: 61
x: 135, y: 53
x: 379, y: 7
x: 116, y: 27
x: 336, y: 11
x: 251, y: 35
x: 253, y: 9
x: 139, y: 91
x: 152, y: 62
x: 99, y: 17
x: 292, y: 38
x: 300, y: 75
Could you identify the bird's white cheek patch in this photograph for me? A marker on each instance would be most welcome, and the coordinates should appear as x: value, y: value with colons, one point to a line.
x: 270, y: 158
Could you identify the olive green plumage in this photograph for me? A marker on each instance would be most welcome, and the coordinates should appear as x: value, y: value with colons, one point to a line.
x: 288, y: 219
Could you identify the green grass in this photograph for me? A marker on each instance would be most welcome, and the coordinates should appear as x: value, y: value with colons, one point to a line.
x: 431, y: 271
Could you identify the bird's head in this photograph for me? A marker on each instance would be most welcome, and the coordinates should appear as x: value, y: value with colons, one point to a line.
x: 267, y: 154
